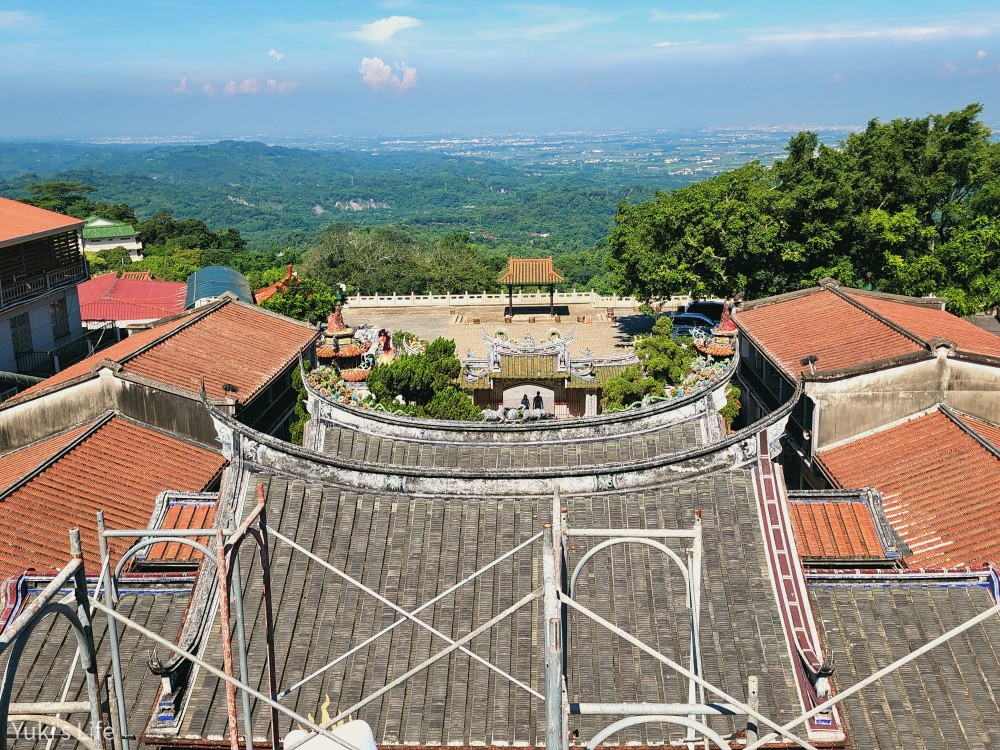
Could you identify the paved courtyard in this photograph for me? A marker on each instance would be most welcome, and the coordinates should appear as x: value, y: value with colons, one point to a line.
x: 591, y: 326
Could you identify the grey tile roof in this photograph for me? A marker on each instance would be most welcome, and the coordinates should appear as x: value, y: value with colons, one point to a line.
x: 617, y: 452
x: 50, y: 650
x: 412, y: 548
x: 949, y: 699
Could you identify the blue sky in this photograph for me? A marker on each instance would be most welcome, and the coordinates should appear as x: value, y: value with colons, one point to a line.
x: 163, y: 67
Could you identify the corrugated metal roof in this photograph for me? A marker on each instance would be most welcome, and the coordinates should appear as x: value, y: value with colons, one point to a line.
x: 940, y: 487
x: 116, y: 465
x: 530, y: 271
x: 227, y: 342
x: 214, y: 281
x: 19, y: 221
x: 107, y: 297
x: 835, y: 530
x: 107, y: 231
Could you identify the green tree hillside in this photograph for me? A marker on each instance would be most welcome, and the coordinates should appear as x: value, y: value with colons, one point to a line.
x: 909, y: 207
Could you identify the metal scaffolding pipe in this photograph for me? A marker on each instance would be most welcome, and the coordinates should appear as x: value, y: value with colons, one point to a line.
x: 213, y: 670
x: 417, y: 621
x: 555, y: 721
x: 648, y: 709
x: 432, y: 660
x: 646, y: 533
x: 930, y: 645
x: 687, y: 673
x: 416, y: 611
x: 682, y: 721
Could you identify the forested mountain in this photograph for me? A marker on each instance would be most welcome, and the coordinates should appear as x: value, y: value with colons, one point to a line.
x: 911, y: 207
x: 275, y: 195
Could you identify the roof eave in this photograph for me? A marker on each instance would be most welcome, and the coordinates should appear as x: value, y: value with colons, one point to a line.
x: 40, y: 235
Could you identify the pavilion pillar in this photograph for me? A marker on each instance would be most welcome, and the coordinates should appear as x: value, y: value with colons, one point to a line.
x: 510, y: 304
x: 552, y: 299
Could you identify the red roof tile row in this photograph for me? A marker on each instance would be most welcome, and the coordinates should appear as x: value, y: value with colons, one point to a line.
x: 226, y: 342
x: 113, y: 464
x: 940, y: 487
x: 19, y: 221
x: 835, y: 530
x: 530, y: 271
x: 986, y: 430
x: 183, y: 515
x: 843, y: 328
x: 278, y: 286
x: 108, y: 297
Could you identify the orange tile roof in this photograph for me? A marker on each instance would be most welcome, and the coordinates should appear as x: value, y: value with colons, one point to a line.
x: 823, y: 324
x: 183, y: 514
x: 835, y: 530
x: 847, y: 328
x: 137, y: 275
x: 986, y: 430
x: 278, y: 286
x: 226, y: 342
x: 940, y: 487
x: 21, y: 222
x: 928, y: 323
x: 113, y: 464
x: 530, y: 271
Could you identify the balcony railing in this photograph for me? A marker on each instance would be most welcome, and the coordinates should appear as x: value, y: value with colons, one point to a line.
x: 13, y: 293
x: 47, y: 363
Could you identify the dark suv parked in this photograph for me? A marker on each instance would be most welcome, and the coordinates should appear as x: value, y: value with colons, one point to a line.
x: 710, y: 308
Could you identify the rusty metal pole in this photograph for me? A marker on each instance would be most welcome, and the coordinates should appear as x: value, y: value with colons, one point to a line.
x: 88, y: 660
x: 227, y: 641
x: 111, y: 596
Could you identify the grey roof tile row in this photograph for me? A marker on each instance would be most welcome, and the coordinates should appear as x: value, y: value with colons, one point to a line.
x: 945, y: 700
x: 51, y: 648
x: 347, y: 443
x: 410, y: 549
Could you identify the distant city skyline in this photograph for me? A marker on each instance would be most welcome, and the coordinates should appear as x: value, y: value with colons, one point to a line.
x: 164, y: 67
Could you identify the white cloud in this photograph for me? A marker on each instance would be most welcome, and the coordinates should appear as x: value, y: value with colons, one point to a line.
x: 378, y: 76
x: 249, y: 86
x: 385, y: 28
x: 275, y: 54
x: 659, y: 15
x: 981, y: 54
x: 835, y: 78
x: 208, y: 89
x: 181, y: 87
x: 949, y: 69
x: 280, y: 87
x: 12, y: 18
x: 890, y: 33
x: 672, y: 44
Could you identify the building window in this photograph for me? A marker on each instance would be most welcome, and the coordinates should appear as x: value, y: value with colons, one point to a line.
x: 60, y: 318
x: 20, y: 333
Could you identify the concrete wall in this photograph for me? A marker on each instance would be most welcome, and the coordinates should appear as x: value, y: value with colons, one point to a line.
x: 180, y: 413
x: 24, y: 423
x: 41, y: 324
x: 852, y: 406
x: 629, y: 422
